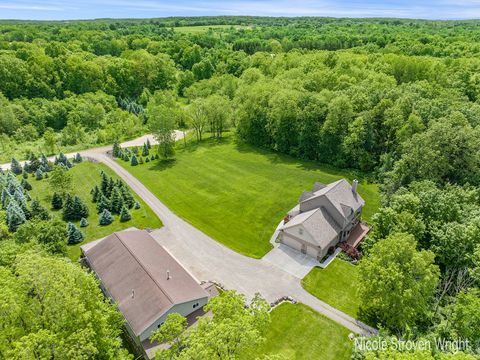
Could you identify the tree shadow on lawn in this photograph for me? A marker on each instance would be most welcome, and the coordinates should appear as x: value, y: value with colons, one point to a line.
x: 308, y: 165
x: 162, y: 165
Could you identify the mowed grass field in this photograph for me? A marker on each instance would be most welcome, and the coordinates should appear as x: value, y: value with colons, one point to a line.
x: 335, y: 285
x: 300, y: 333
x: 85, y: 176
x: 235, y: 193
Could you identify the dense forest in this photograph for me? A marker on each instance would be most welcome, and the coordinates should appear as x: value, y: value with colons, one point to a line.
x: 397, y: 100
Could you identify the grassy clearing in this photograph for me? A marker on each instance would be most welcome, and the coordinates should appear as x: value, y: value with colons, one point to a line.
x: 203, y: 29
x: 85, y: 176
x: 335, y: 285
x: 236, y: 193
x: 298, y: 332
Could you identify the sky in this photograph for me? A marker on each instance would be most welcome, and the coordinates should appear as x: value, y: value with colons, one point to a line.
x: 91, y: 9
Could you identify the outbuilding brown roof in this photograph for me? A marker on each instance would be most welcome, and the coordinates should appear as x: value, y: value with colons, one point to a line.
x: 141, y: 276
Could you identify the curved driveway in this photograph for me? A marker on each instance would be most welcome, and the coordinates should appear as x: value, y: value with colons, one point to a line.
x: 206, y: 259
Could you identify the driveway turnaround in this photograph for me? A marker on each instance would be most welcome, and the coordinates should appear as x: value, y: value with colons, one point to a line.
x: 208, y: 260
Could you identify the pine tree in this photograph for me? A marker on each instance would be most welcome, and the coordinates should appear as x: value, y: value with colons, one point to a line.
x: 102, y: 204
x: 45, y: 164
x: 116, y: 201
x: 78, y: 158
x: 128, y: 198
x: 140, y: 161
x: 95, y: 194
x: 15, y: 216
x: 117, y: 150
x: 152, y: 157
x: 125, y: 214
x: 147, y: 159
x: 16, y: 167
x: 135, y: 151
x: 145, y: 151
x: 134, y: 161
x: 38, y: 211
x: 57, y: 202
x: 68, y: 208
x: 149, y: 146
x: 137, y: 205
x: 110, y: 186
x: 74, y: 235
x: 126, y: 158
x: 25, y: 175
x: 79, y: 208
x: 83, y: 222
x: 39, y: 174
x: 106, y: 218
x: 103, y: 181
x: 26, y: 185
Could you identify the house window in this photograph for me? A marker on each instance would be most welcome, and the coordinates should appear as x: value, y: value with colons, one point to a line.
x: 300, y: 231
x: 195, y: 305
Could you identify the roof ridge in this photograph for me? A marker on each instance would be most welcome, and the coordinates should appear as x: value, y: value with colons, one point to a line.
x: 143, y: 267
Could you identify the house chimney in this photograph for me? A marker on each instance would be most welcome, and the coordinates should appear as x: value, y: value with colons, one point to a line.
x: 354, y: 186
x: 168, y: 274
x: 133, y: 294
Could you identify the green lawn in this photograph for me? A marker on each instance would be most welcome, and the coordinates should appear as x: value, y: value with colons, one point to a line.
x: 86, y: 175
x: 236, y: 193
x: 298, y: 332
x: 335, y: 285
x: 203, y: 29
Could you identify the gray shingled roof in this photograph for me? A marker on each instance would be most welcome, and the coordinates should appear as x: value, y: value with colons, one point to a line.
x: 133, y: 261
x: 318, y: 223
x: 341, y: 196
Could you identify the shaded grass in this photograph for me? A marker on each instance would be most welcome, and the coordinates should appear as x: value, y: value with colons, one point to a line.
x: 236, y: 193
x: 300, y: 333
x: 335, y: 285
x: 85, y: 176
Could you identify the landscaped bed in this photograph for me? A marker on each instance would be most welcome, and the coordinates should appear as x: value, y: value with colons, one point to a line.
x: 335, y: 285
x: 235, y: 193
x: 298, y: 332
x: 85, y: 176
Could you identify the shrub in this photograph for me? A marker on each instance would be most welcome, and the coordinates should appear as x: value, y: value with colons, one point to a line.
x: 125, y: 214
x: 57, y: 202
x: 74, y: 235
x: 134, y: 161
x: 106, y: 218
x: 83, y: 222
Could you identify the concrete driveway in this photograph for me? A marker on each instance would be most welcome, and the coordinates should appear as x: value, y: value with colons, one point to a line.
x: 291, y: 261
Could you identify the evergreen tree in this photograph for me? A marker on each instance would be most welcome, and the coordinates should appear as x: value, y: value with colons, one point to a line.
x: 26, y: 168
x: 125, y: 214
x: 145, y: 151
x: 25, y: 175
x: 83, y: 222
x: 135, y: 151
x: 78, y: 158
x: 126, y: 158
x: 127, y: 196
x: 134, y: 161
x: 152, y: 157
x: 45, y: 164
x: 106, y: 218
x: 34, y: 163
x: 102, y: 204
x: 57, y: 202
x: 38, y: 211
x: 117, y: 150
x: 110, y: 186
x: 103, y: 182
x: 147, y: 159
x: 140, y: 161
x: 15, y: 216
x: 137, y: 205
x: 68, y: 208
x: 149, y: 146
x: 16, y: 167
x: 39, y: 174
x: 74, y: 235
x: 95, y: 194
x: 79, y: 208
x: 116, y: 201
x: 26, y: 185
